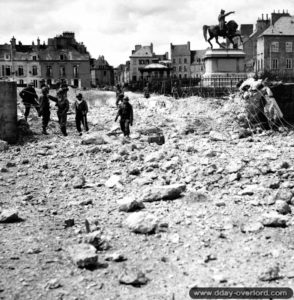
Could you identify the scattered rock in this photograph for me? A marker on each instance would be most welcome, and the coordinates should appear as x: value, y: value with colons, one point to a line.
x: 167, y: 192
x: 97, y: 240
x: 3, y: 145
x: 78, y: 182
x: 114, y: 181
x: 251, y: 227
x: 282, y: 207
x: 53, y: 284
x: 69, y: 223
x: 273, y: 219
x: 117, y: 257
x: 142, y: 222
x: 133, y: 277
x: 272, y: 273
x: 196, y: 197
x: 217, y: 136
x: 83, y: 255
x: 130, y: 204
x: 94, y: 139
x: 9, y: 216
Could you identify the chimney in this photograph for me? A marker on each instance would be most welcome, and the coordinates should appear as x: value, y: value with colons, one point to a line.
x: 38, y: 42
x: 33, y: 44
x: 13, y: 42
x: 261, y: 16
x: 151, y: 47
x: 137, y: 47
x: 276, y: 16
x: 188, y: 45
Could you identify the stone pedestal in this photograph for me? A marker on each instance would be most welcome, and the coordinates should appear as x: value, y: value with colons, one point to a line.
x: 224, y: 67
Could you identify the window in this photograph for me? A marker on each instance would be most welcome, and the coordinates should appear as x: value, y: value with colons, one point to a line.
x: 7, y: 70
x: 34, y: 57
x: 35, y: 70
x: 185, y: 60
x: 288, y: 63
x: 62, y: 71
x: 20, y: 71
x: 180, y: 60
x: 35, y: 83
x: 275, y: 46
x: 62, y: 57
x: 185, y: 76
x: 180, y: 76
x: 75, y: 71
x: 134, y: 61
x: 21, y: 82
x: 174, y: 60
x: 180, y: 68
x: 49, y: 71
x: 274, y: 64
x: 147, y: 61
x: 288, y: 46
x: 185, y: 69
x: 7, y: 56
x: 198, y: 60
x: 104, y: 73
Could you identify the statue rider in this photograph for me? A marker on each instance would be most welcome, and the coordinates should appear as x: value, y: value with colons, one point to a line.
x: 222, y: 22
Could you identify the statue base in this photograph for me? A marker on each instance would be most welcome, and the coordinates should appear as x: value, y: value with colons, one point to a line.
x: 224, y: 67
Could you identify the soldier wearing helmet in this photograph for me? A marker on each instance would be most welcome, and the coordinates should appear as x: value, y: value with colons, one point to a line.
x: 125, y: 112
x: 44, y: 108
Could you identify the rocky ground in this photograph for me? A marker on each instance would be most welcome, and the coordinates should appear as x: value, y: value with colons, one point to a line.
x: 100, y: 217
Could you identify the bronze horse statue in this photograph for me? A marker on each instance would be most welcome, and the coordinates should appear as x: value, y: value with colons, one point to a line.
x: 214, y: 32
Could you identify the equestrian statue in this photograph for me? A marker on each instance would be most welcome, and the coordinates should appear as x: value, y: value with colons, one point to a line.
x: 225, y: 30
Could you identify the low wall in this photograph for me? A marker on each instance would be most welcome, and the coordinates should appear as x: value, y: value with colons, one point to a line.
x: 8, y: 112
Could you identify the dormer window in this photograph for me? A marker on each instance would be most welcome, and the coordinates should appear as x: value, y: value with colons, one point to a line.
x: 34, y: 57
x: 62, y: 57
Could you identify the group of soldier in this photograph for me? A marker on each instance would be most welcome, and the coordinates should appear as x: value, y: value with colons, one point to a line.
x: 42, y: 105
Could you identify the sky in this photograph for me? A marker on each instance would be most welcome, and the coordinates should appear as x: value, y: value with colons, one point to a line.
x: 113, y: 27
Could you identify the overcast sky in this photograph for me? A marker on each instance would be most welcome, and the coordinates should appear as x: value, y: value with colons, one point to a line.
x: 113, y: 27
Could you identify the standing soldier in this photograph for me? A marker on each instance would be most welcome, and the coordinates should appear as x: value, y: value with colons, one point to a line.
x: 45, y: 108
x: 222, y: 21
x: 62, y: 104
x: 29, y: 98
x: 81, y: 107
x: 119, y: 94
x: 125, y: 112
x: 175, y: 91
x: 146, y: 91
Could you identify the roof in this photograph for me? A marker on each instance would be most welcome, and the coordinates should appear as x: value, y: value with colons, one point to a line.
x: 180, y: 50
x: 283, y: 26
x: 197, y: 54
x: 144, y: 51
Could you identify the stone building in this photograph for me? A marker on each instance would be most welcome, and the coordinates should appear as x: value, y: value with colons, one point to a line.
x: 141, y: 57
x: 250, y: 37
x: 61, y: 59
x: 197, y: 67
x: 275, y: 51
x: 102, y: 73
x: 181, y: 60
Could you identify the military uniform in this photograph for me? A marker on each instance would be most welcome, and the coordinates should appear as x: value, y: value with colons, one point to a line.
x: 125, y: 112
x: 81, y: 107
x: 44, y: 109
x: 29, y: 98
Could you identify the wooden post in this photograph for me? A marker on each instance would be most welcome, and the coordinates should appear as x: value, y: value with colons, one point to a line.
x: 8, y: 112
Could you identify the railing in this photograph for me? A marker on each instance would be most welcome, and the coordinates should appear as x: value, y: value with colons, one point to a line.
x: 185, y: 87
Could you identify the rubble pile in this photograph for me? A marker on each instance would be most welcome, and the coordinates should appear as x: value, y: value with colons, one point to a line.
x: 113, y: 218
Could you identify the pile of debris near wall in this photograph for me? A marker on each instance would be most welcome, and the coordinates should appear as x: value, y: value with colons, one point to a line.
x: 265, y: 104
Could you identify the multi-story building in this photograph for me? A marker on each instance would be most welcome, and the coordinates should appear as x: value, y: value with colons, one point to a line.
x: 140, y: 58
x: 181, y: 60
x: 250, y: 38
x: 197, y: 67
x: 275, y: 51
x: 61, y: 59
x: 101, y: 72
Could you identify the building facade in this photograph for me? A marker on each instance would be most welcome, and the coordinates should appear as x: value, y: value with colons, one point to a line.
x: 197, y: 67
x: 140, y: 58
x: 61, y: 59
x: 275, y: 52
x: 181, y: 60
x: 102, y: 73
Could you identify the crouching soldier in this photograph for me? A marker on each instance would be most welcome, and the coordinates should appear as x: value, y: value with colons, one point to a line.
x: 125, y: 112
x: 44, y: 108
x: 62, y: 104
x: 81, y: 107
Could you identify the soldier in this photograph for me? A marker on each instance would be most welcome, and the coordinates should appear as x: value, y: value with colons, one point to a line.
x: 175, y: 91
x: 222, y: 21
x: 146, y: 91
x: 125, y: 112
x: 119, y: 94
x: 81, y: 107
x: 62, y: 104
x: 29, y: 98
x: 44, y: 108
